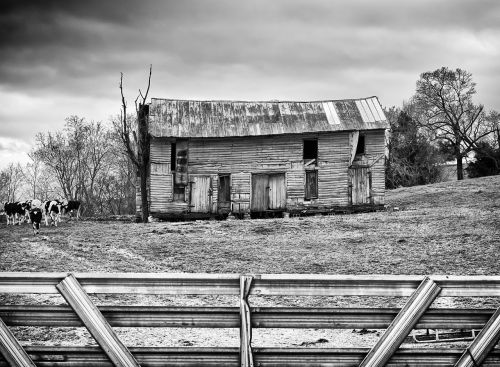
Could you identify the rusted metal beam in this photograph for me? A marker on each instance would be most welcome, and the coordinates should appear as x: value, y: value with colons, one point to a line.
x: 246, y: 357
x: 273, y: 284
x: 95, y: 322
x: 477, y: 352
x: 228, y: 317
x: 11, y: 350
x: 404, y: 322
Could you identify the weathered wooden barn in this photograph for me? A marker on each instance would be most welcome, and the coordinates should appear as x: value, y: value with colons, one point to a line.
x: 212, y: 158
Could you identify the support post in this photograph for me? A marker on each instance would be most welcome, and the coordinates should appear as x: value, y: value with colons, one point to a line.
x: 401, y: 326
x: 486, y: 340
x: 246, y: 357
x: 95, y: 322
x: 11, y: 350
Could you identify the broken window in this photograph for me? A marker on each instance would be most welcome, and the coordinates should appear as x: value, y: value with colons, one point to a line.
x: 179, y: 193
x: 360, y: 149
x: 310, y: 151
x: 311, y: 189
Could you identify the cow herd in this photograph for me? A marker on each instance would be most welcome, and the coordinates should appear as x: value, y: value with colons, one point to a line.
x: 32, y: 211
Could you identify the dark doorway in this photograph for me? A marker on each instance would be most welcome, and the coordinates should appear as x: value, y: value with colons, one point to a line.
x: 224, y: 194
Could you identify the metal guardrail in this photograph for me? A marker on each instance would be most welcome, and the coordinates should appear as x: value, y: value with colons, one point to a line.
x: 415, y: 314
x: 273, y: 284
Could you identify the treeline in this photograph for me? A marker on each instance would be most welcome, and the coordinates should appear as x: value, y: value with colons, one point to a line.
x: 441, y: 123
x: 99, y: 163
x: 85, y: 161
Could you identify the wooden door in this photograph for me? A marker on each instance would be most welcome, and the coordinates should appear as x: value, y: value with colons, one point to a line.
x: 360, y: 185
x: 277, y: 191
x: 260, y: 195
x: 268, y: 192
x: 224, y: 194
x: 201, y: 194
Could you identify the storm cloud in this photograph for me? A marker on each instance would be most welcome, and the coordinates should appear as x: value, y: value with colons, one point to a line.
x: 65, y: 58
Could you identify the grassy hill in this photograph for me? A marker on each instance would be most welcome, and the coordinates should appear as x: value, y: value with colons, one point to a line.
x: 446, y: 228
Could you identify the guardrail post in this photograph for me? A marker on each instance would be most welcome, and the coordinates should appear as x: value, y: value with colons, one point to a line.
x: 401, y: 326
x: 486, y: 340
x: 11, y: 350
x: 246, y: 357
x: 95, y: 322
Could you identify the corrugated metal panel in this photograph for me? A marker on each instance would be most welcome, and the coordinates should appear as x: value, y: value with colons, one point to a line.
x: 362, y: 111
x: 373, y: 103
x: 177, y: 118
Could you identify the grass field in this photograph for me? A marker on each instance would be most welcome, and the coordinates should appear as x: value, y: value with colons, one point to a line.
x: 446, y: 228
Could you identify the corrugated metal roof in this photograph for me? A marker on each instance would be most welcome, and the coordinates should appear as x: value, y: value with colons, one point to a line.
x: 182, y: 118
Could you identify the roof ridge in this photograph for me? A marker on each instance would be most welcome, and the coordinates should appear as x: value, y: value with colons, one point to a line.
x: 269, y: 101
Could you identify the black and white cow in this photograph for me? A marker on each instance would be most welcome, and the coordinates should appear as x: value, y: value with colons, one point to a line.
x: 69, y: 206
x: 15, y: 212
x: 27, y: 208
x: 52, y: 209
x: 36, y: 218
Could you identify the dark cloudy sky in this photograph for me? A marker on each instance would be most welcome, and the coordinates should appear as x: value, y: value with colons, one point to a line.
x: 62, y: 58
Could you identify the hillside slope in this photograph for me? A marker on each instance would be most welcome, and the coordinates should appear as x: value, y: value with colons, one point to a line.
x: 446, y: 228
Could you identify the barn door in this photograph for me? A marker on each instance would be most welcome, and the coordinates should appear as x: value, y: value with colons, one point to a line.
x: 201, y: 194
x: 224, y: 194
x: 268, y: 192
x: 277, y: 191
x: 260, y: 196
x: 360, y: 185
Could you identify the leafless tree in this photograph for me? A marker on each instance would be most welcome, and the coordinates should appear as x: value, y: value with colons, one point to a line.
x: 136, y: 144
x: 62, y: 153
x: 446, y: 108
x: 11, y: 179
x: 32, y: 174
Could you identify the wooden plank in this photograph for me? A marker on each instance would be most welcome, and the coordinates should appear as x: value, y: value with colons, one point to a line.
x: 404, y: 322
x: 477, y: 352
x: 95, y: 322
x: 354, y: 145
x: 11, y: 350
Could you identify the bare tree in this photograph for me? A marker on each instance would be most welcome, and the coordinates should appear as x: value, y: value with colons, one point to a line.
x: 10, y: 182
x: 446, y: 108
x: 57, y: 153
x: 136, y: 145
x: 33, y: 173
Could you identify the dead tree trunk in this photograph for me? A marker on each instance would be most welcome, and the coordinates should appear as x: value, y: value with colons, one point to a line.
x: 137, y: 145
x: 142, y: 120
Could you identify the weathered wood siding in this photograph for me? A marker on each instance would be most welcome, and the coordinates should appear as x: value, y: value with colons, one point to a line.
x: 375, y: 151
x: 242, y: 157
x: 333, y: 155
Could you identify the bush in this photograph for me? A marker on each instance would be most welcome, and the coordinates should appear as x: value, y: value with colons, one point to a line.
x: 487, y: 161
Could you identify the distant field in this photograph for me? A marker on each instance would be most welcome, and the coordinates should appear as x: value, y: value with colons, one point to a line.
x: 446, y: 228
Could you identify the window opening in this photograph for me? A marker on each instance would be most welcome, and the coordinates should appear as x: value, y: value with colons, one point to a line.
x: 360, y: 149
x: 310, y: 150
x: 179, y: 193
